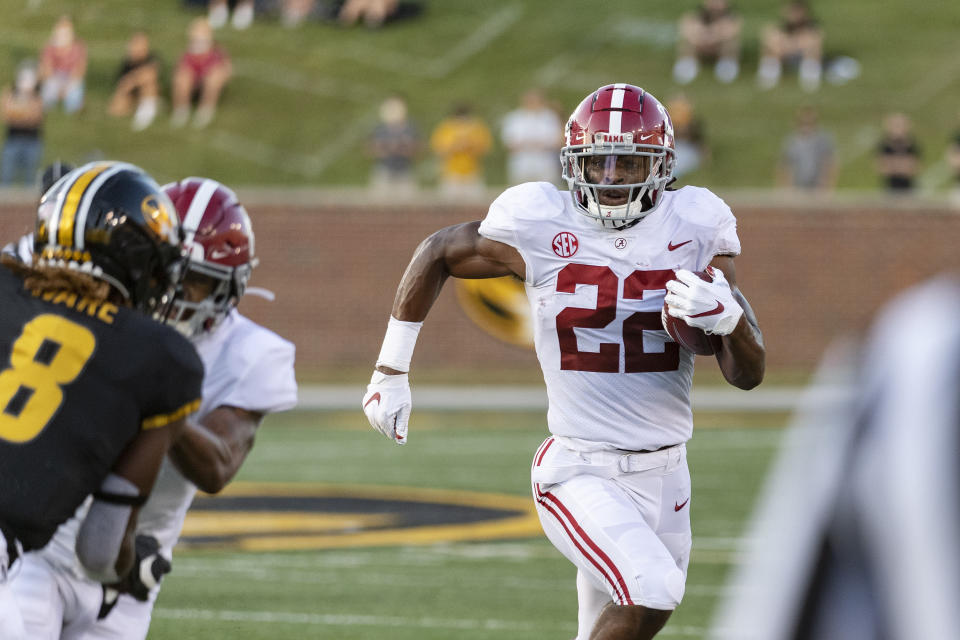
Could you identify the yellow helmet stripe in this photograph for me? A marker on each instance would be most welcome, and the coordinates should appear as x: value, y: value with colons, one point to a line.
x: 68, y: 212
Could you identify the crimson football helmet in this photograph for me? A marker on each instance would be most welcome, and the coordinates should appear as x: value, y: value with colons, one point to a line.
x: 619, y: 154
x: 219, y: 243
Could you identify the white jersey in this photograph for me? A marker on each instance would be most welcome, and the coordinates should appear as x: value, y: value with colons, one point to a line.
x: 614, y: 377
x: 245, y: 366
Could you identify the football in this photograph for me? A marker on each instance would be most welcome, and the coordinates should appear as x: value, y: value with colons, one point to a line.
x: 688, y: 337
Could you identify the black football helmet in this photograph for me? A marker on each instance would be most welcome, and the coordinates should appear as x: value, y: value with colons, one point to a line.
x: 54, y: 171
x: 112, y: 221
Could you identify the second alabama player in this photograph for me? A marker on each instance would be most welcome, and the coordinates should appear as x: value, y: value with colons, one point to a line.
x: 611, y: 483
x: 248, y: 374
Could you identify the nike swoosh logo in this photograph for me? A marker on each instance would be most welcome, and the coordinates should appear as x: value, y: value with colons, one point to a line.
x: 375, y: 396
x: 674, y: 247
x: 712, y: 312
x: 677, y: 507
x: 219, y: 254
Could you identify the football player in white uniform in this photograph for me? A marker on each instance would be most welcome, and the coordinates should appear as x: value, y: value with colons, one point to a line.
x: 248, y: 374
x: 611, y: 484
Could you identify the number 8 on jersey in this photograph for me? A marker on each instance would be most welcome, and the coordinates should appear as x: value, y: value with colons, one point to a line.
x: 51, y: 352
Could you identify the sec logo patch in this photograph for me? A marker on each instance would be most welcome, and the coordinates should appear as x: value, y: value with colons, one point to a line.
x: 565, y: 244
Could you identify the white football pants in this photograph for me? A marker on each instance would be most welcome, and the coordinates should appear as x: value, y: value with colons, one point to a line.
x: 11, y: 623
x: 622, y: 519
x: 56, y: 604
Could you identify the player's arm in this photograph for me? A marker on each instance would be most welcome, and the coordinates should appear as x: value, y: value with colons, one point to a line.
x: 209, y: 453
x: 743, y: 357
x: 459, y: 251
x: 105, y: 543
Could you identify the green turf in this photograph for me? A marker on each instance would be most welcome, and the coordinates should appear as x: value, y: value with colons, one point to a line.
x: 519, y: 589
x: 303, y: 100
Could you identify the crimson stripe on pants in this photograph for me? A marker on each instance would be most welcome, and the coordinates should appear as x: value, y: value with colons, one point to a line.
x: 543, y: 451
x: 619, y: 586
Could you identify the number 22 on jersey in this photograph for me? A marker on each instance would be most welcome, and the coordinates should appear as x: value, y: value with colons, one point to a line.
x: 50, y: 353
x: 607, y: 359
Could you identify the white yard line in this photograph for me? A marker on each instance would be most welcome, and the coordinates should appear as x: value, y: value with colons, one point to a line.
x: 512, y: 398
x: 310, y: 83
x: 267, y: 155
x: 352, y: 620
x: 935, y: 176
x: 306, y: 165
x: 478, y: 40
x: 365, y: 620
x: 436, y: 67
x: 186, y: 571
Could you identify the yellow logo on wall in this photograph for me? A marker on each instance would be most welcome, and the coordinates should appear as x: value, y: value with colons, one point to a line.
x: 499, y: 306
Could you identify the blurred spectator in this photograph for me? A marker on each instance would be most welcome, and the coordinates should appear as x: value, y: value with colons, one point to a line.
x: 201, y: 74
x: 796, y: 42
x: 219, y: 12
x: 689, y: 141
x: 63, y: 66
x: 531, y: 135
x: 808, y: 158
x: 137, y: 83
x: 898, y: 155
x: 461, y: 141
x: 293, y: 12
x: 394, y: 145
x: 953, y: 160
x: 375, y: 13
x: 712, y: 32
x: 22, y: 111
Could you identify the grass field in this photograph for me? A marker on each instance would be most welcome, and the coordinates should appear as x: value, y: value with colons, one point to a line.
x: 303, y: 101
x: 514, y: 588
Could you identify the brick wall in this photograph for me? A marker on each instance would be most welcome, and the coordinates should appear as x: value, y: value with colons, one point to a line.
x: 810, y: 275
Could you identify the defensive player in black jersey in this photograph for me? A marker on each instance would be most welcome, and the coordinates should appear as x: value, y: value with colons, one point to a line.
x: 93, y: 390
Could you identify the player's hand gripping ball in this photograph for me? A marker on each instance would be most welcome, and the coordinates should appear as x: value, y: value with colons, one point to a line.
x: 698, y: 309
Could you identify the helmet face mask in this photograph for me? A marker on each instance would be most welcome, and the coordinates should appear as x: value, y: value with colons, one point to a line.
x: 206, y: 295
x: 619, y: 155
x: 220, y: 254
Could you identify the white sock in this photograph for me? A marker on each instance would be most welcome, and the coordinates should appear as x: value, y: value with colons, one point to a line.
x: 809, y: 74
x: 218, y: 15
x: 146, y: 112
x: 768, y: 73
x: 243, y: 16
x: 726, y: 70
x: 685, y: 70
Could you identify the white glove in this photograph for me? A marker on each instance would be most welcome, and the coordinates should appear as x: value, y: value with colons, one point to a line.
x: 387, y: 405
x: 709, y: 306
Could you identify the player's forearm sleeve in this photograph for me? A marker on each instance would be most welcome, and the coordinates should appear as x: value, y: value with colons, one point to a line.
x: 101, y: 534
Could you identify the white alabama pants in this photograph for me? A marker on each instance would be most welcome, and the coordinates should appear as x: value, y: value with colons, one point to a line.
x: 623, y: 519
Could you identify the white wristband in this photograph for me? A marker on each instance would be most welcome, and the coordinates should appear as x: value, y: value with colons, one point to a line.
x: 398, y: 344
